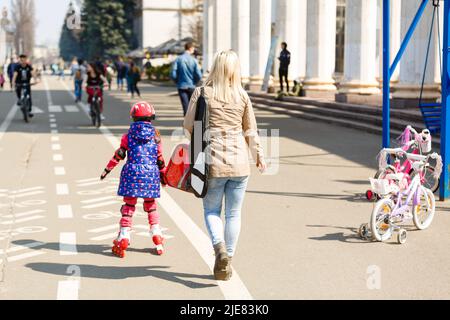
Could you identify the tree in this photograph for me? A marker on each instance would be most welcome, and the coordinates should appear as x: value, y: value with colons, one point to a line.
x: 130, y: 7
x: 69, y: 41
x: 105, y: 30
x: 23, y: 15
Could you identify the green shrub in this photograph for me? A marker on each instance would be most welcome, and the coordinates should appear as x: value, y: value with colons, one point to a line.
x: 159, y: 73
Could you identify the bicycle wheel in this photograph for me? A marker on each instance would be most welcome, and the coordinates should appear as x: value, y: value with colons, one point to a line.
x: 430, y: 181
x: 92, y: 114
x: 98, y: 115
x: 25, y: 110
x: 380, y: 223
x: 423, y: 213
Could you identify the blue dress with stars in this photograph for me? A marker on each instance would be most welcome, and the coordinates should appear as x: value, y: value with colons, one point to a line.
x: 140, y: 175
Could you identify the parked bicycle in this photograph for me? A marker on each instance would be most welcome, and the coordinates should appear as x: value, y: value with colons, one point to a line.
x: 415, y: 143
x: 399, y: 203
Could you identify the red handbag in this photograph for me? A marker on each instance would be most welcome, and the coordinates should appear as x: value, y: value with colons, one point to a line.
x: 178, y: 172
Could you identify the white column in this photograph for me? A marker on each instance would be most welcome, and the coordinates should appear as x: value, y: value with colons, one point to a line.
x: 222, y: 25
x: 360, y: 48
x: 413, y: 60
x: 240, y: 34
x: 291, y: 28
x: 321, y: 47
x: 208, y: 34
x: 395, y: 38
x: 260, y: 38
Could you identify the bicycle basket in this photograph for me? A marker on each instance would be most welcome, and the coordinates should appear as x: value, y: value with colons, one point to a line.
x: 383, y: 186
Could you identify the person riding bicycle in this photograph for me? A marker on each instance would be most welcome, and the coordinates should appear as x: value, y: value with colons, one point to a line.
x: 94, y: 84
x: 23, y: 72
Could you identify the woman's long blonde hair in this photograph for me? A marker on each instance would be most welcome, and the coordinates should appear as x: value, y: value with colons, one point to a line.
x: 225, y: 77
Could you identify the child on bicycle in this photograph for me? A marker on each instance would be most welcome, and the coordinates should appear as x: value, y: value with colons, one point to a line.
x: 94, y: 84
x: 141, y: 176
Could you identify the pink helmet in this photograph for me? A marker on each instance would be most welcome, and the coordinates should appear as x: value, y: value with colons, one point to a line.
x: 142, y: 110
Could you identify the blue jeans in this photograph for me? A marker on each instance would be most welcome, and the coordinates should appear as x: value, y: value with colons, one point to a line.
x: 185, y: 97
x: 234, y: 191
x: 78, y: 89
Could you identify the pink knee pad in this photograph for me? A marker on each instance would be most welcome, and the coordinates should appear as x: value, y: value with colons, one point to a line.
x: 127, y: 212
x: 153, y: 215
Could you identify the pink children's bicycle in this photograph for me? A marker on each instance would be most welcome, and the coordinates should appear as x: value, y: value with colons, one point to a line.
x: 415, y: 143
x: 402, y: 199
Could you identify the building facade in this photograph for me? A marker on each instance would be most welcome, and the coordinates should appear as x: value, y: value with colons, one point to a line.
x: 335, y: 44
x: 6, y: 38
x: 159, y: 21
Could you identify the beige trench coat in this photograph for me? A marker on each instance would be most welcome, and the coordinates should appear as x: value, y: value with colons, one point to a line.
x: 232, y: 133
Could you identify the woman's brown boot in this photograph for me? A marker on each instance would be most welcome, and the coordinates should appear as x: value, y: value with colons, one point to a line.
x: 222, y: 265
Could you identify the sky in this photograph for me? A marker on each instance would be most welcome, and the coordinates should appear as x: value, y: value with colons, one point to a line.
x: 50, y: 17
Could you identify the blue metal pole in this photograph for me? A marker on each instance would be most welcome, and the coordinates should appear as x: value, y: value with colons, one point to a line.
x: 386, y: 74
x: 445, y: 125
x: 408, y: 35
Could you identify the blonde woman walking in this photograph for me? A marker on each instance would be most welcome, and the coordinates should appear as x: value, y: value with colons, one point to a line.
x: 232, y: 131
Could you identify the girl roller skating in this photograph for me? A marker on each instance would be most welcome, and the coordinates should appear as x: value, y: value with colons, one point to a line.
x: 141, y: 176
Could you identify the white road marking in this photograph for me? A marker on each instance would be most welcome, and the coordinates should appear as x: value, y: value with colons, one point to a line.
x: 62, y: 189
x: 23, y: 247
x: 21, y: 195
x: 51, y: 115
x: 55, y: 139
x: 47, y: 92
x: 105, y: 236
x: 22, y: 214
x: 67, y: 244
x: 87, y: 180
x: 8, y: 222
x: 68, y: 290
x: 65, y: 211
x: 91, y: 183
x: 98, y: 199
x: 101, y: 229
x: 147, y: 234
x: 52, y: 120
x: 60, y: 171
x: 54, y: 131
x: 98, y: 205
x: 56, y: 147
x: 9, y: 117
x: 27, y: 189
x: 53, y: 125
x: 71, y: 109
x: 25, y: 256
x: 234, y: 289
x: 57, y: 157
x: 37, y: 110
x: 54, y: 109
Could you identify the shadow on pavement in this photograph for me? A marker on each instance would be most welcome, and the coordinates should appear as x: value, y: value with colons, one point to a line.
x: 120, y: 273
x: 110, y: 272
x: 350, y: 197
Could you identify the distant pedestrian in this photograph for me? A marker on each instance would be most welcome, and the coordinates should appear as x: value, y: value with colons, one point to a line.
x: 121, y: 73
x: 134, y: 76
x: 61, y: 69
x: 10, y: 71
x: 109, y: 73
x: 80, y: 74
x: 186, y: 73
x: 2, y: 78
x: 128, y: 75
x: 285, y: 61
x: 73, y: 67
